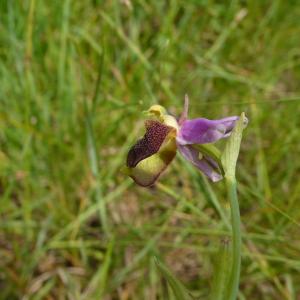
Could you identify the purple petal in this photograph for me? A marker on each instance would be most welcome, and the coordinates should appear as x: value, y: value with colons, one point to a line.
x: 184, y: 114
x: 203, y: 131
x: 205, y: 164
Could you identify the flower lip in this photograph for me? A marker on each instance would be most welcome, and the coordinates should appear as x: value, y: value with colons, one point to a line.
x: 150, y: 144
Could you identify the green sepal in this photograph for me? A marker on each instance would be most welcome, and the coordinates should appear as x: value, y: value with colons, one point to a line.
x: 232, y: 148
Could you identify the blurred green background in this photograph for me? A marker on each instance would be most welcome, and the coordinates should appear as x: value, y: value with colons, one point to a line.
x: 75, y: 77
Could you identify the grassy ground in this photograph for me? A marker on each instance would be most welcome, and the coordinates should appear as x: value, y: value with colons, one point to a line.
x: 74, y: 78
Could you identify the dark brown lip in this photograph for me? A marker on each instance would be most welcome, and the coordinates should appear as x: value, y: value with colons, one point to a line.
x: 151, y: 142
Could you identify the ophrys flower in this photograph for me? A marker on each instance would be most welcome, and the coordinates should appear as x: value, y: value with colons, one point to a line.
x: 150, y: 156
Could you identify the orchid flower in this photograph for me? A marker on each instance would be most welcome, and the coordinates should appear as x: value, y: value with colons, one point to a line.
x: 151, y: 155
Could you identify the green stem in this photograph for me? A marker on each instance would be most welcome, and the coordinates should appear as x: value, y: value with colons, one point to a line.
x: 233, y: 287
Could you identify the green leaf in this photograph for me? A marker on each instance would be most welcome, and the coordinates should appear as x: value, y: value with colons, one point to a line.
x: 232, y: 148
x: 179, y: 290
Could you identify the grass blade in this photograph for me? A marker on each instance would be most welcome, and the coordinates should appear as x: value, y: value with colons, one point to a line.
x: 222, y: 272
x: 179, y: 290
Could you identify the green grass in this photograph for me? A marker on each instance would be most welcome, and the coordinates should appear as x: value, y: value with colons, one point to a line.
x: 74, y: 79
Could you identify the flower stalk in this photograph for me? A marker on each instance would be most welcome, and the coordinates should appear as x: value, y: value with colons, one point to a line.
x: 233, y: 286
